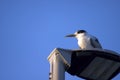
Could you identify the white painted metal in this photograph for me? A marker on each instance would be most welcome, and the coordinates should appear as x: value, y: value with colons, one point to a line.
x: 59, y: 60
x: 98, y: 69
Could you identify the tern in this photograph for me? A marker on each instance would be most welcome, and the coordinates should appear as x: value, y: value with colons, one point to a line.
x: 85, y: 40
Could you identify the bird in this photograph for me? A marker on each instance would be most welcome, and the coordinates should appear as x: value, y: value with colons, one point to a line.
x: 86, y: 40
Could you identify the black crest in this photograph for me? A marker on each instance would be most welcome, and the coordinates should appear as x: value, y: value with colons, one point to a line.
x: 81, y: 31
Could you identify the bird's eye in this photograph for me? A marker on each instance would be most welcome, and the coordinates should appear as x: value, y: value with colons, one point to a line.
x: 81, y: 31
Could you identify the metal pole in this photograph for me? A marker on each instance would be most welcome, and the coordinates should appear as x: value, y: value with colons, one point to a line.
x: 57, y: 68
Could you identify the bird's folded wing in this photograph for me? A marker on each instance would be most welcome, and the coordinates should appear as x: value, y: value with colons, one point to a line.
x: 95, y: 43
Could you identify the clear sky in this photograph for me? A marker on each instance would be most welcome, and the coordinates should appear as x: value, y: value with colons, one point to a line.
x: 31, y: 29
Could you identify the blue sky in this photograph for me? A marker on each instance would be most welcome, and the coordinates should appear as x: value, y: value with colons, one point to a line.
x: 31, y: 29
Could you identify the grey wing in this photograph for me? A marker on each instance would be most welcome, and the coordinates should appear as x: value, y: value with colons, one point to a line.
x: 95, y: 43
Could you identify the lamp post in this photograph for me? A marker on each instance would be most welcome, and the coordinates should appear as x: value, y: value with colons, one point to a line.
x: 95, y: 64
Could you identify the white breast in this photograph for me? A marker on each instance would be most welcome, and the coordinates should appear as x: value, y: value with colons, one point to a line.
x: 84, y: 42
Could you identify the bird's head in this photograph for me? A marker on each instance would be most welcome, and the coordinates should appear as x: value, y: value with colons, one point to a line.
x: 77, y: 33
